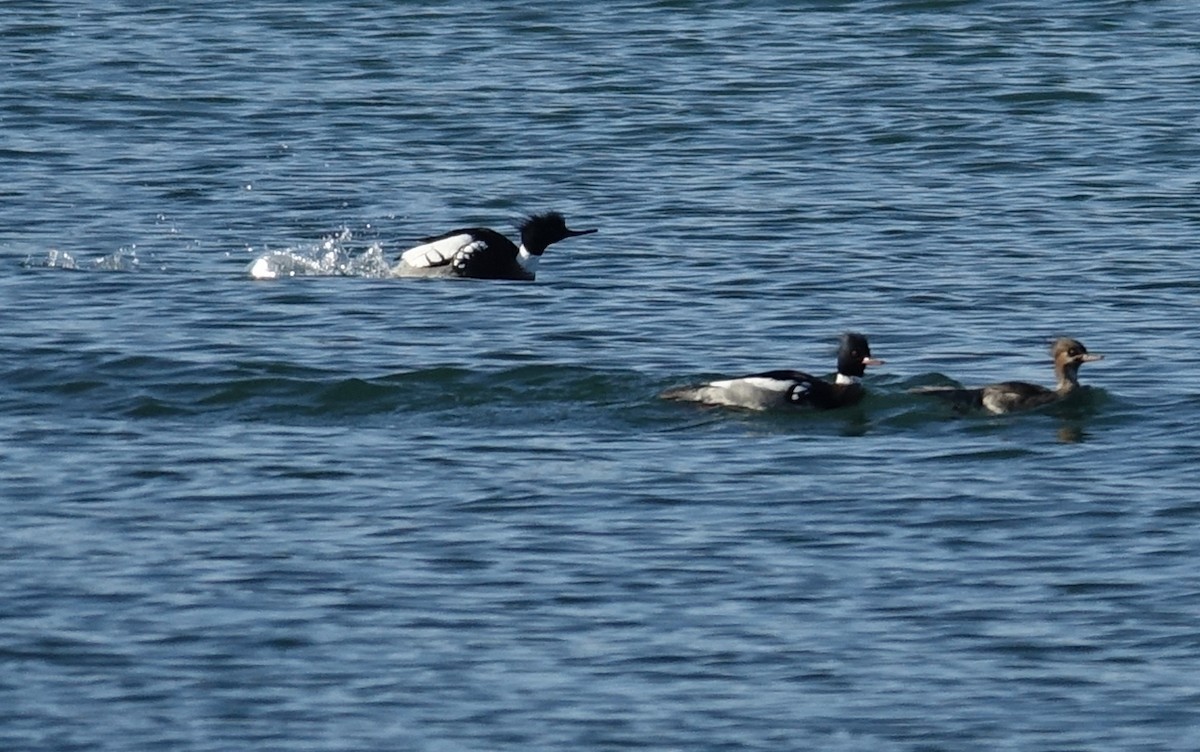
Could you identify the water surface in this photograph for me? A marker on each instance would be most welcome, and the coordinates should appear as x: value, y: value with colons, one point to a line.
x: 337, y: 511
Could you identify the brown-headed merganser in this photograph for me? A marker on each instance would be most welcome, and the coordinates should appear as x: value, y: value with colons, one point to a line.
x: 482, y: 253
x: 789, y: 389
x: 1010, y: 396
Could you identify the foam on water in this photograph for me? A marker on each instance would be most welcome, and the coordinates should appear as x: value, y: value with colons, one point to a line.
x: 120, y: 261
x: 333, y: 257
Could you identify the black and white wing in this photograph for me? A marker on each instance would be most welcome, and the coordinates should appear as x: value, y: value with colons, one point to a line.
x: 762, y: 391
x: 477, y: 252
x: 799, y: 389
x: 442, y: 250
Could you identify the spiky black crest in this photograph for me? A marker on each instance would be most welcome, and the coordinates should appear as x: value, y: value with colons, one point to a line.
x: 541, y: 230
x: 547, y: 220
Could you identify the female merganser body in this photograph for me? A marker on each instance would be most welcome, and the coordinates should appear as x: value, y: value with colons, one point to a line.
x: 789, y: 389
x: 481, y: 253
x: 1009, y: 396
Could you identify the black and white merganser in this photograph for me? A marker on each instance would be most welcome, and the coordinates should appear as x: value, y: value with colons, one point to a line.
x: 1010, y: 396
x: 789, y: 389
x: 482, y: 253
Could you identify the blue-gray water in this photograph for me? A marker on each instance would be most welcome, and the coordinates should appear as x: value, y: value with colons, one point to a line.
x: 342, y: 512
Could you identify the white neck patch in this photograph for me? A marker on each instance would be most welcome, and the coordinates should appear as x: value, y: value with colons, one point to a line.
x: 527, y: 260
x: 844, y: 380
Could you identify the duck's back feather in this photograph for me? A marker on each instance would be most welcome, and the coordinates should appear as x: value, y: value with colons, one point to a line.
x: 473, y: 252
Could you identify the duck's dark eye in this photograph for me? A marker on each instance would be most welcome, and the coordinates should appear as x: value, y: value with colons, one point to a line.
x: 1074, y: 352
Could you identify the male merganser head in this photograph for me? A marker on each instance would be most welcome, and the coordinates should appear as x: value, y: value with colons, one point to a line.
x: 786, y: 388
x: 1011, y: 396
x: 483, y: 253
x: 854, y: 355
x: 540, y: 231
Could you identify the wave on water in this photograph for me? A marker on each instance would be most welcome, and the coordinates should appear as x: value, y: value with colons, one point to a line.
x: 149, y: 387
x: 526, y: 395
x: 335, y: 256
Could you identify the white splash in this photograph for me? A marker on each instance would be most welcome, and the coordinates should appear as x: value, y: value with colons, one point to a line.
x: 331, y: 258
x: 124, y: 260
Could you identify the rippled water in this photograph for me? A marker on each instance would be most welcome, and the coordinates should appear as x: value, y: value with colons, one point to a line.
x: 338, y: 511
